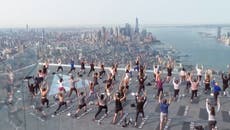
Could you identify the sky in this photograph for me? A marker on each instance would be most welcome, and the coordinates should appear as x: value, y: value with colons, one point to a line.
x: 64, y: 13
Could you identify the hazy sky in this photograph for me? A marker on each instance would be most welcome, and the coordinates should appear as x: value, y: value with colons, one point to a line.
x: 18, y: 13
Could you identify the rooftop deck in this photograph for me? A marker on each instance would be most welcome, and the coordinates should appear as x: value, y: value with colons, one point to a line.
x: 183, y: 115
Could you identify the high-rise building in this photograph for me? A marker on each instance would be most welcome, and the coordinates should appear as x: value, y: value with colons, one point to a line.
x: 218, y: 32
x: 228, y: 35
x: 127, y: 30
x: 27, y: 28
x: 43, y: 36
x: 137, y: 26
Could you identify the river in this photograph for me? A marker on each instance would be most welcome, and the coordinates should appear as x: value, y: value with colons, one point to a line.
x: 200, y: 50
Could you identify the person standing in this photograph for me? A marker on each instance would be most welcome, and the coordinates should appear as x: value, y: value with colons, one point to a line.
x: 159, y: 85
x: 72, y: 86
x: 59, y: 65
x: 141, y: 83
x: 199, y: 72
x: 176, y: 86
x: 225, y: 80
x: 183, y: 74
x: 212, y: 114
x: 164, y: 105
x: 92, y: 69
x: 102, y: 104
x: 118, y: 106
x: 140, y: 101
x: 82, y: 70
x: 44, y: 91
x: 61, y: 102
x: 216, y: 91
x: 102, y: 71
x: 194, y: 87
x: 72, y: 67
x: 169, y: 70
x: 207, y: 83
x: 81, y: 103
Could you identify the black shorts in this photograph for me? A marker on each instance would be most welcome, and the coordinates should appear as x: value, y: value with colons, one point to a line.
x: 118, y: 109
x: 81, y: 106
x: 212, y: 124
x: 169, y: 74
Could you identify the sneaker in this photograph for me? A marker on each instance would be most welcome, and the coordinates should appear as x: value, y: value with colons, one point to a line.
x: 135, y: 124
x: 106, y: 114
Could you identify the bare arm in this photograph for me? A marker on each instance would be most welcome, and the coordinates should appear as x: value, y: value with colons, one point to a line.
x: 197, y: 67
x: 170, y: 100
x: 207, y: 106
x: 174, y: 80
x: 218, y: 104
x: 40, y: 89
x: 47, y: 88
x: 123, y: 98
x: 159, y: 99
x: 114, y: 97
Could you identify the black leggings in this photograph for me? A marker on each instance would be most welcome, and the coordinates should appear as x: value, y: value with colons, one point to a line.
x: 207, y: 87
x: 138, y: 112
x: 176, y: 92
x: 188, y: 85
x: 91, y: 70
x: 216, y: 96
x: 211, y: 124
x: 199, y: 77
x: 59, y: 68
x: 72, y: 69
x: 159, y: 90
x: 101, y: 73
x: 45, y: 100
x: 71, y: 90
x: 60, y: 105
x: 100, y: 109
x: 194, y: 93
x: 225, y: 86
x: 141, y: 87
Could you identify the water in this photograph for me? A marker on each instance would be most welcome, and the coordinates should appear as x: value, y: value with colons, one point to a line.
x: 201, y: 50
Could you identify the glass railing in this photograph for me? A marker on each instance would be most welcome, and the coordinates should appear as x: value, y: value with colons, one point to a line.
x: 13, y: 91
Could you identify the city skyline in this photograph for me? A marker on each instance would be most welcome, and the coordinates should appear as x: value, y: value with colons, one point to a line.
x: 73, y: 13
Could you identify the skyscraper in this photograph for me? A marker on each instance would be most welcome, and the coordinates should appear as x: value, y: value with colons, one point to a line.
x: 218, y: 32
x: 27, y: 28
x: 43, y: 36
x: 137, y: 26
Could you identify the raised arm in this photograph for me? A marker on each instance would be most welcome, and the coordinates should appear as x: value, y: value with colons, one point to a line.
x: 207, y: 106
x: 47, y: 88
x: 98, y: 96
x: 218, y: 104
x: 123, y: 98
x: 174, y: 80
x: 114, y: 97
x: 40, y: 88
x: 145, y: 96
x: 197, y: 67
x: 159, y: 99
x: 170, y: 100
